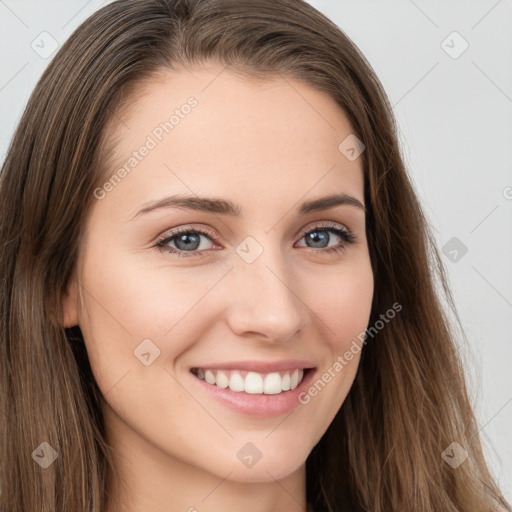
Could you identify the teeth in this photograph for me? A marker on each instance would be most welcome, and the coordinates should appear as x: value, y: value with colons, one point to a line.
x: 272, y: 384
x: 285, y: 382
x: 222, y: 380
x: 236, y: 382
x: 209, y: 377
x: 294, y: 379
x: 253, y: 383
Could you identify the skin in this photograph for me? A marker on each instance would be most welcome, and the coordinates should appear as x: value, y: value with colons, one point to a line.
x: 266, y: 146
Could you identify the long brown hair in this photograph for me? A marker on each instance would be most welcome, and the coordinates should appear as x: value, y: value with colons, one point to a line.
x: 408, y: 403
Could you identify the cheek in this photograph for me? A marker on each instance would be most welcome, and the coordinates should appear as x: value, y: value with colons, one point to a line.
x: 342, y: 302
x: 130, y: 298
x: 342, y: 307
x: 127, y: 302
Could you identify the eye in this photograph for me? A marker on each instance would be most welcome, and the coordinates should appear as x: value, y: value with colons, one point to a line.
x: 185, y: 242
x: 318, y: 236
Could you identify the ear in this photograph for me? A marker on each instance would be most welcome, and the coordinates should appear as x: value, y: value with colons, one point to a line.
x: 70, y: 304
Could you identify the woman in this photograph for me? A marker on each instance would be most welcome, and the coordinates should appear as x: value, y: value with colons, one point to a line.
x: 177, y: 332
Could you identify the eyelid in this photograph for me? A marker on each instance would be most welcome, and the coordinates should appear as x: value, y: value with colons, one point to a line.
x: 324, y: 224
x: 186, y: 229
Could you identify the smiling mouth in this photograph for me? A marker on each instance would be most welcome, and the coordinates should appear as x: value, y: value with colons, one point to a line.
x: 252, y: 383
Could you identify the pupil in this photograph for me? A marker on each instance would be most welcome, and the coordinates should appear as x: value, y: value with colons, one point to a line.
x: 319, y: 236
x: 188, y: 245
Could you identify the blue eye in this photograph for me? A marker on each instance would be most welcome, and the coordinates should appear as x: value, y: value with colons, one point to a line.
x: 312, y: 234
x: 185, y: 242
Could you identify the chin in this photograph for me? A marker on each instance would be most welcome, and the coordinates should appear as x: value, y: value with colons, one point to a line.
x: 274, y: 464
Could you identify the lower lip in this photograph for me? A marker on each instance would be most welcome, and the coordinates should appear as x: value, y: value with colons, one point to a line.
x: 265, y: 406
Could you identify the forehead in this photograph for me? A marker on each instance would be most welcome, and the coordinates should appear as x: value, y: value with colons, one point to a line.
x: 215, y: 131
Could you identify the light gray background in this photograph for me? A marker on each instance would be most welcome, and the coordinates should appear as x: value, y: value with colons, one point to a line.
x: 455, y: 118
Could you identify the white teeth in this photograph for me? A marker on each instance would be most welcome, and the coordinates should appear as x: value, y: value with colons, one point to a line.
x: 285, y: 382
x: 254, y: 383
x: 221, y: 380
x: 294, y: 380
x: 272, y: 384
x: 236, y: 382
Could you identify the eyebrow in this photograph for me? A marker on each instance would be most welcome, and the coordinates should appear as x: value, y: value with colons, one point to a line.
x: 224, y: 207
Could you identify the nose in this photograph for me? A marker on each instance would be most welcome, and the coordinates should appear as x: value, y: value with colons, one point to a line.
x: 264, y: 299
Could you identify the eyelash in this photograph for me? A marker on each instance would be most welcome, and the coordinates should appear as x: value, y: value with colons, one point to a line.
x: 347, y: 236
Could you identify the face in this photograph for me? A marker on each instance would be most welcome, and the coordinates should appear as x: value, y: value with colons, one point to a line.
x: 257, y: 293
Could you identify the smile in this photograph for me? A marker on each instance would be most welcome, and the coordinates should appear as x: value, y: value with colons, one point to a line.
x: 254, y: 383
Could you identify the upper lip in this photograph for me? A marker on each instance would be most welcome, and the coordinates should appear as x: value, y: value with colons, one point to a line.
x: 260, y: 366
